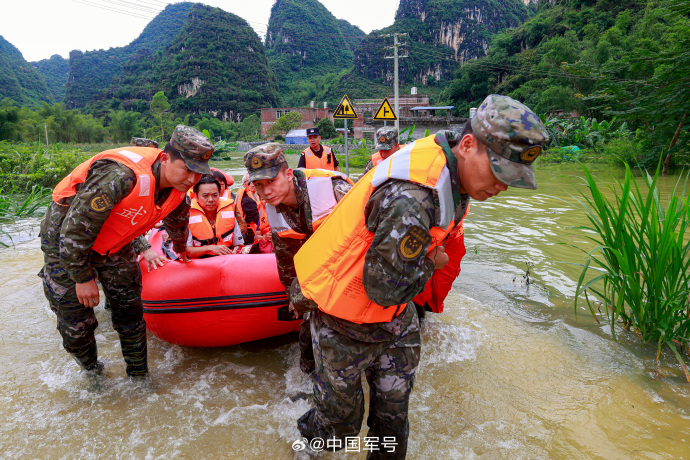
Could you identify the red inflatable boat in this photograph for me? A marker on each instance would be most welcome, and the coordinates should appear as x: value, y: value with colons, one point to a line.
x: 214, y: 302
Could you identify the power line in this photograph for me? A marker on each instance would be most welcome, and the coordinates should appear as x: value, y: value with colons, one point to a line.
x: 114, y: 10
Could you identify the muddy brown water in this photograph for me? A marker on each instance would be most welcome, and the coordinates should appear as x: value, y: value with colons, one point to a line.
x: 507, y: 371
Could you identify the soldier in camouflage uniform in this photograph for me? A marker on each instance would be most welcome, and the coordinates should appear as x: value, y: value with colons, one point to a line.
x: 496, y: 150
x: 70, y: 228
x: 143, y: 142
x: 288, y: 193
x: 386, y: 144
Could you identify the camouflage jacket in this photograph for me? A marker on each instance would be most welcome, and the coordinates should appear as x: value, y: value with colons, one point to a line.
x: 393, y: 211
x: 69, y: 229
x: 299, y: 219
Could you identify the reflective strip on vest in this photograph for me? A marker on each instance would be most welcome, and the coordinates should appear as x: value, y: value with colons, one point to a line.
x: 321, y: 199
x: 400, y: 169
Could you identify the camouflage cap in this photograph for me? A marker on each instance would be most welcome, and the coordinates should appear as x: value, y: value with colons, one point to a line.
x: 264, y: 161
x: 514, y: 137
x: 194, y: 147
x: 143, y: 142
x: 386, y: 138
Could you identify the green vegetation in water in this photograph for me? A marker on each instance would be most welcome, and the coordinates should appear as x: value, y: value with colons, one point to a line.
x: 641, y: 260
x: 22, y: 166
x: 14, y: 205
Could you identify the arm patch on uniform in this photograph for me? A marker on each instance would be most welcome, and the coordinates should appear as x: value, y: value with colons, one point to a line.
x: 101, y: 202
x: 413, y: 242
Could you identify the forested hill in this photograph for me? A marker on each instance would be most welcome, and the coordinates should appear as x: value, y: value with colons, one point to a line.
x: 216, y: 65
x: 597, y: 58
x: 93, y: 71
x: 19, y: 80
x: 55, y: 72
x: 305, y: 43
x: 442, y: 35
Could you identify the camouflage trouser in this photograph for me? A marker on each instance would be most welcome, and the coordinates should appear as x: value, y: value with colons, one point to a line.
x: 120, y: 277
x: 306, y: 350
x: 389, y: 363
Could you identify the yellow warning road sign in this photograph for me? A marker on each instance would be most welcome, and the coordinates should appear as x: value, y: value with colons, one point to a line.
x: 385, y: 112
x: 345, y: 109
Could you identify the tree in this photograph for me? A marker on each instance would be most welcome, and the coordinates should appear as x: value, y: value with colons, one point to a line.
x: 326, y: 128
x: 159, y: 107
x: 124, y: 125
x: 290, y: 120
x: 9, y: 117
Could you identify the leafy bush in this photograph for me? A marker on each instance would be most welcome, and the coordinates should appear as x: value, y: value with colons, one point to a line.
x: 24, y: 165
x: 583, y: 132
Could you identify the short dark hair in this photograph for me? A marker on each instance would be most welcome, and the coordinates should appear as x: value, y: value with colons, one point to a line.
x: 172, y: 153
x: 467, y: 129
x: 220, y: 177
x: 206, y: 179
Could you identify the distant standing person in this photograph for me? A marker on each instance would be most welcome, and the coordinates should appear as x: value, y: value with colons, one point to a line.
x: 317, y: 156
x: 88, y: 231
x: 386, y: 144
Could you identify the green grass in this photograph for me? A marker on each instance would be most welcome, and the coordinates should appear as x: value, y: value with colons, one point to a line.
x: 13, y: 204
x: 641, y: 260
x: 23, y: 166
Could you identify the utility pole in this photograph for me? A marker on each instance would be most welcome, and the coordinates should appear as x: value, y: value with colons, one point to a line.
x: 45, y: 126
x: 396, y: 45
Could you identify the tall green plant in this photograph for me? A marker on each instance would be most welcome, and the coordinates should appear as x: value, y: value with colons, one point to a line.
x: 641, y: 259
x: 13, y: 204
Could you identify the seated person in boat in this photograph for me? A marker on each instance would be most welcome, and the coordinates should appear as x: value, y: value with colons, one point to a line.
x: 252, y: 209
x: 223, y: 181
x: 214, y: 230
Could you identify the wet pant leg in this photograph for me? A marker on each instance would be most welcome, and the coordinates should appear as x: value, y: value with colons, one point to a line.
x: 389, y: 365
x: 338, y: 395
x: 75, y: 322
x: 391, y: 378
x: 120, y: 276
x: 306, y: 349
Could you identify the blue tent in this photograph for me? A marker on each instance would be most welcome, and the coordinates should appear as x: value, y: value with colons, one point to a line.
x: 296, y: 136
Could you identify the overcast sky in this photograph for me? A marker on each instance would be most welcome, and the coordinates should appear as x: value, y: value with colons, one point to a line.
x: 41, y: 28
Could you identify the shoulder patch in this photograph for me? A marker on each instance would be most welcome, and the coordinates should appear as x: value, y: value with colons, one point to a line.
x: 413, y: 242
x: 101, y: 202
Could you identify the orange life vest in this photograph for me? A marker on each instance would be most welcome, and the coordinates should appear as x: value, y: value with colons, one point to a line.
x: 321, y: 198
x: 327, y: 160
x: 376, y: 158
x: 137, y: 212
x: 263, y: 226
x: 203, y: 233
x: 330, y: 264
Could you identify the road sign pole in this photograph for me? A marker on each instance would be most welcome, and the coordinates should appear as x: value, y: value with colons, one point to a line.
x: 347, y: 153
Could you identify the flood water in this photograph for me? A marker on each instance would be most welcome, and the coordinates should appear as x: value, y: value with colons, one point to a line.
x: 507, y: 371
